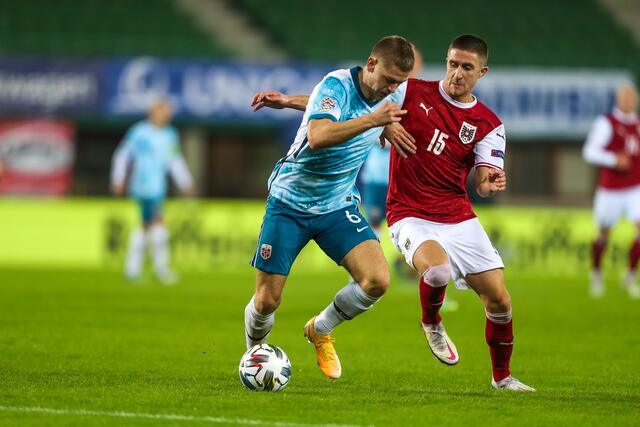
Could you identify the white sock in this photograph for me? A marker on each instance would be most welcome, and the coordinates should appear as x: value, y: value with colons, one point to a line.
x: 159, y: 241
x: 135, y: 254
x: 257, y: 325
x: 349, y: 302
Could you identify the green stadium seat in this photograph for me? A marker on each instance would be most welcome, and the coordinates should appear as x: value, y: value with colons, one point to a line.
x: 104, y: 28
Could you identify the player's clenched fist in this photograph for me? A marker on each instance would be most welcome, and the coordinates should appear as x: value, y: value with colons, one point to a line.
x: 389, y: 112
x: 497, y: 180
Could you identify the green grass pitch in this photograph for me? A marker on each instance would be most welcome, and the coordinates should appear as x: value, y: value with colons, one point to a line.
x: 85, y: 348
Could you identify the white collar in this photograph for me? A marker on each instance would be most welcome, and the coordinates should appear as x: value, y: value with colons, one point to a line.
x: 626, y: 118
x: 452, y: 101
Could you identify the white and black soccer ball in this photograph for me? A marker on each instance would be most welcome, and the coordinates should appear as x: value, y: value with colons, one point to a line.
x: 265, y: 367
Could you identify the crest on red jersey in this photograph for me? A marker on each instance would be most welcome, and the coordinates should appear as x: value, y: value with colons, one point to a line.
x: 265, y: 251
x: 467, y: 132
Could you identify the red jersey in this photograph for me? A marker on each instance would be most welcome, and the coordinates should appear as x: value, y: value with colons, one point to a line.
x: 451, y: 138
x: 625, y: 138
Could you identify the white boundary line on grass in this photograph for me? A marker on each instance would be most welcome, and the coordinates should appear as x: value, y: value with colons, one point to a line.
x: 171, y: 417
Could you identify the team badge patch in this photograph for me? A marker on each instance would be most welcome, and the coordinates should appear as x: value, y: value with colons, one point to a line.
x: 467, y: 132
x: 327, y: 104
x: 265, y: 251
x: 497, y: 153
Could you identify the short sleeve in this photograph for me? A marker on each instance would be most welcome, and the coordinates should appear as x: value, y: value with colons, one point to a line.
x: 490, y: 150
x: 329, y: 100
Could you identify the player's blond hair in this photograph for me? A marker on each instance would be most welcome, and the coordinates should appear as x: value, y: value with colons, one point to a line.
x: 395, y: 50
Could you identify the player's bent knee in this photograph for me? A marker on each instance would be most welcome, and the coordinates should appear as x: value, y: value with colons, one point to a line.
x: 266, y: 301
x: 500, y: 303
x: 376, y: 284
x: 437, y: 276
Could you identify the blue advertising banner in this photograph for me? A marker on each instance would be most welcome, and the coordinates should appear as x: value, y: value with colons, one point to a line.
x: 533, y: 103
x: 204, y: 90
x: 33, y: 86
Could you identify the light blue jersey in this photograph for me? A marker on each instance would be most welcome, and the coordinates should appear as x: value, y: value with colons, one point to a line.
x: 376, y: 167
x: 149, y: 150
x: 323, y: 180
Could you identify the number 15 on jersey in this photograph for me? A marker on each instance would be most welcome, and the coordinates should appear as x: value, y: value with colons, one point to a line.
x: 437, y: 143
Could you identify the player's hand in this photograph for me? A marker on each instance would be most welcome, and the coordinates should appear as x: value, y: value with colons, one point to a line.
x: 269, y: 99
x: 623, y: 162
x: 497, y: 180
x: 189, y: 192
x: 387, y: 113
x: 401, y: 140
x: 118, y: 189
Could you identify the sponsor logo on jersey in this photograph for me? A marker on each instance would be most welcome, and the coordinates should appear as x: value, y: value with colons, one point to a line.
x: 407, y: 244
x: 497, y: 153
x: 265, y: 251
x: 327, y: 104
x: 467, y: 132
x: 424, y: 107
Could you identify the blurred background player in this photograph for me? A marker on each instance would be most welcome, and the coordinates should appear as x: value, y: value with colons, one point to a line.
x: 613, y: 144
x: 313, y: 195
x: 149, y: 150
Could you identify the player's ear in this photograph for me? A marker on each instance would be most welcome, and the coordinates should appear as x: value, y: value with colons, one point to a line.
x: 484, y: 70
x: 371, y: 63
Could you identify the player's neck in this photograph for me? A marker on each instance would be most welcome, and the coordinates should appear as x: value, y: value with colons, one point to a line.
x: 464, y: 98
x: 368, y: 93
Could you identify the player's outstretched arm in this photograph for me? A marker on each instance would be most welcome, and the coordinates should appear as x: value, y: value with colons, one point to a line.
x: 401, y: 140
x: 322, y: 133
x: 278, y: 100
x: 490, y: 181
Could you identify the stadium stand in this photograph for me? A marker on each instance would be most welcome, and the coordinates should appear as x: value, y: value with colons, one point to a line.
x: 573, y: 33
x: 101, y: 28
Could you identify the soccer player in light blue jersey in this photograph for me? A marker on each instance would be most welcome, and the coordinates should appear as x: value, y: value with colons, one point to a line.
x: 312, y: 194
x: 149, y: 150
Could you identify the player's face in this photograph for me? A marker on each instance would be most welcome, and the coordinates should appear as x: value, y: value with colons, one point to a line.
x: 627, y: 99
x: 160, y: 114
x: 464, y: 68
x: 381, y: 79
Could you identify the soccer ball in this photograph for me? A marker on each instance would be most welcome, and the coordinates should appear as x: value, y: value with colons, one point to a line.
x: 265, y: 367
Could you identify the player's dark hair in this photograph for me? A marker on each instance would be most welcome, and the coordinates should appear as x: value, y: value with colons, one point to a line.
x: 395, y: 50
x: 471, y: 43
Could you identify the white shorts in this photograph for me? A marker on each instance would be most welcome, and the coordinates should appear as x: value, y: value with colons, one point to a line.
x: 466, y: 244
x: 611, y: 205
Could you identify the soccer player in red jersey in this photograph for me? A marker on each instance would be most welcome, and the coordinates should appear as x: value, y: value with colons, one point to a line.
x: 431, y: 220
x: 613, y: 144
x: 446, y: 133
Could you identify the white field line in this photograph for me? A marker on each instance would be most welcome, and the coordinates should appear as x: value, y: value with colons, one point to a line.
x: 171, y: 417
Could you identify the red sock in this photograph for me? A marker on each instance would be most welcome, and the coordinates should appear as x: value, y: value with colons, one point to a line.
x: 634, y: 255
x: 500, y: 339
x: 597, y: 249
x: 431, y: 300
